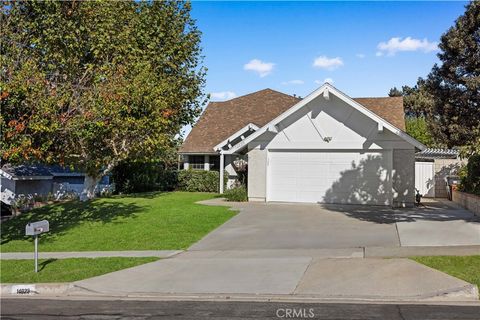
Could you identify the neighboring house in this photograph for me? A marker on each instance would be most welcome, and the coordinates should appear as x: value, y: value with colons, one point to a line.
x: 40, y: 180
x: 325, y: 148
x: 432, y: 166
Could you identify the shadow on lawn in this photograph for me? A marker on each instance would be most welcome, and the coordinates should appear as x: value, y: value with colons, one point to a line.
x: 64, y: 216
x: 144, y: 195
x: 43, y: 264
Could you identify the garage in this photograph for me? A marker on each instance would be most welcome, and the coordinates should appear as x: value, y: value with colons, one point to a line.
x: 329, y: 176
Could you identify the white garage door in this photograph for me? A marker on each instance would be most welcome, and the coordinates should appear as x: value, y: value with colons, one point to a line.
x: 329, y: 177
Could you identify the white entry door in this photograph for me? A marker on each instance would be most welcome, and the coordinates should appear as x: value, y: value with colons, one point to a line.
x: 329, y: 177
x: 425, y: 178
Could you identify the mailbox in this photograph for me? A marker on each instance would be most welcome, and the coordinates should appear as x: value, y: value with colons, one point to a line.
x: 36, y: 228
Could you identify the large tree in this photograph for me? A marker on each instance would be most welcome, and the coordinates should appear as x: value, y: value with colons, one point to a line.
x: 88, y: 84
x: 416, y: 102
x: 454, y: 85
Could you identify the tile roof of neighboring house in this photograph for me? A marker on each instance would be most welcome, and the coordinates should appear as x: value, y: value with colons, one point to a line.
x: 435, y: 153
x: 38, y: 170
x: 33, y: 170
x: 221, y: 119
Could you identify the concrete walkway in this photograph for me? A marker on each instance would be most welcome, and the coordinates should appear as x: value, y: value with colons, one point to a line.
x: 89, y: 254
x: 294, y: 277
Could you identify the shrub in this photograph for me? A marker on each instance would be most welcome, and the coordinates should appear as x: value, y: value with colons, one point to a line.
x: 131, y: 177
x: 471, y: 176
x: 199, y: 180
x: 238, y: 194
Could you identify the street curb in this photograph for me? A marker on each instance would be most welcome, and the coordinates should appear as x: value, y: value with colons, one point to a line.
x: 26, y: 289
x: 468, y: 293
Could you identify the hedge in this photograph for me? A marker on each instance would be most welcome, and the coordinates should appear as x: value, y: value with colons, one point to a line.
x: 471, y: 177
x: 238, y: 194
x: 131, y: 177
x: 199, y: 180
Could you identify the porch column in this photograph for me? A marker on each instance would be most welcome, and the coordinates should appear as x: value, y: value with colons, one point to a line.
x: 206, y: 163
x: 222, y: 163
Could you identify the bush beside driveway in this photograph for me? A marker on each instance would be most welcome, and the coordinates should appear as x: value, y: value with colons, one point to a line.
x: 149, y: 221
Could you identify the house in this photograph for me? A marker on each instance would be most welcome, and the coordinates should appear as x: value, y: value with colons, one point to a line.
x: 432, y: 167
x: 41, y: 180
x: 325, y: 148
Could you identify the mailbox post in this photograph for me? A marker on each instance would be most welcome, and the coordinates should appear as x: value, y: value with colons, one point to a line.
x: 35, y: 229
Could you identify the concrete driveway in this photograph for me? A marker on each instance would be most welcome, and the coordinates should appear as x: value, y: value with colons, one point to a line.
x: 305, y: 252
x: 310, y: 226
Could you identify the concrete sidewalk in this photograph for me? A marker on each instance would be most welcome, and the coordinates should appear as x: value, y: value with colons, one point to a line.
x: 320, y: 278
x: 90, y: 254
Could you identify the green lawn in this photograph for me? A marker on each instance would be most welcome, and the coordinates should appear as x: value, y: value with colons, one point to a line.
x: 463, y: 267
x: 64, y: 270
x: 151, y: 221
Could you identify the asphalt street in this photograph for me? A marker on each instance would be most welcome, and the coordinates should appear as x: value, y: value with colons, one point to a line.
x: 26, y: 308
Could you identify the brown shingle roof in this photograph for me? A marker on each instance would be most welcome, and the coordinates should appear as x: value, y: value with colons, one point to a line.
x: 388, y: 108
x: 221, y: 119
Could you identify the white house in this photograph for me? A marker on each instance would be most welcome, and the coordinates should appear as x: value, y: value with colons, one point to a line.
x: 325, y: 148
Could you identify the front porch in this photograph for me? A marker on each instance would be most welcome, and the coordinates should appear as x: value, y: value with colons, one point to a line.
x: 215, y: 162
x: 223, y: 160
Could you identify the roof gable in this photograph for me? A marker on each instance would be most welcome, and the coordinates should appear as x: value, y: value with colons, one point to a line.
x: 326, y: 90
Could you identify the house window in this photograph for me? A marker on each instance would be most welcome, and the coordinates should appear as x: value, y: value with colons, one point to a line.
x: 215, y: 163
x: 196, y: 162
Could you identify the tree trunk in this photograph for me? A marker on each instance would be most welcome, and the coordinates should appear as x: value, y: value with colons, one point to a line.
x: 89, y: 187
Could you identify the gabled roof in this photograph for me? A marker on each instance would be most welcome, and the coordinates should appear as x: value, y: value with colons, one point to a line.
x: 249, y: 128
x: 222, y: 119
x: 325, y: 90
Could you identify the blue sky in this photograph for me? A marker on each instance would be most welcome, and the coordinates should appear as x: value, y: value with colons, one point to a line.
x: 285, y: 38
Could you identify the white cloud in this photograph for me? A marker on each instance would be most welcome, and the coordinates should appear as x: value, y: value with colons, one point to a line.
x: 293, y: 82
x: 329, y: 80
x: 379, y: 54
x: 223, y: 95
x: 262, y: 68
x: 394, y: 45
x: 360, y: 55
x: 327, y: 63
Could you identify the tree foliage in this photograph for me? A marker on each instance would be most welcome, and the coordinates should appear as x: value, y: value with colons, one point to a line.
x: 417, y: 127
x: 92, y: 83
x: 395, y: 92
x: 416, y: 100
x: 454, y: 85
x: 416, y: 103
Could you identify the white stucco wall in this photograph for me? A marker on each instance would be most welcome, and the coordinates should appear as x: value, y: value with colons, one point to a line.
x: 257, y: 173
x: 349, y: 130
x: 403, y: 177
